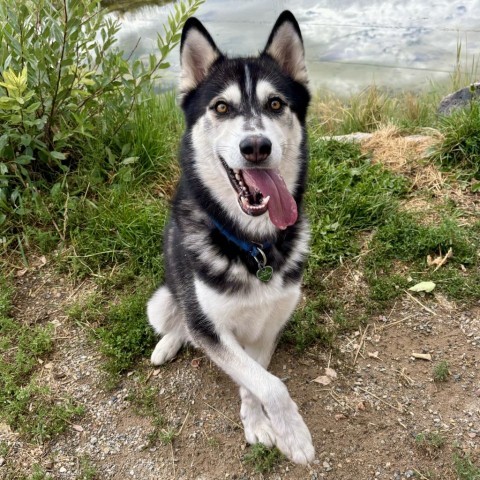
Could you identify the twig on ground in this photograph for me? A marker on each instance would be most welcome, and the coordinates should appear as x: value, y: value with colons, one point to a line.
x: 398, y: 409
x: 420, y: 303
x: 233, y: 422
x: 360, y: 345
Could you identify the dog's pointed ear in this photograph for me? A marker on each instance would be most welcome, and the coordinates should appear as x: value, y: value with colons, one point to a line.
x: 285, y: 46
x: 197, y: 54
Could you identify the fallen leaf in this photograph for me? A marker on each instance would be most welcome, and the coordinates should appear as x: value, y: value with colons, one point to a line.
x: 156, y: 372
x: 323, y: 380
x: 77, y: 428
x: 22, y: 272
x: 330, y: 372
x: 340, y: 416
x: 373, y: 355
x: 49, y: 365
x: 423, y: 287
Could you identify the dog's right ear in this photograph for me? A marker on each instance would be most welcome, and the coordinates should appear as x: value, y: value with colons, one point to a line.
x: 198, y: 52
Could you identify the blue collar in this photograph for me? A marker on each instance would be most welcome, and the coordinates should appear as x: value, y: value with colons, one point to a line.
x: 252, y: 248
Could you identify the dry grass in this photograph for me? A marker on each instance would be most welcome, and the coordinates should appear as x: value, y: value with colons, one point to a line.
x: 406, y: 155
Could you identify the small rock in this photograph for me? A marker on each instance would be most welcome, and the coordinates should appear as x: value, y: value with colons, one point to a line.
x: 409, y: 474
x: 62, y: 470
x: 459, y: 99
x: 93, y: 440
x: 2, y: 461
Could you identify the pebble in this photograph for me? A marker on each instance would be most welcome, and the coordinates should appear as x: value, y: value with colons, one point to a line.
x: 409, y: 474
x: 62, y: 470
x: 2, y: 461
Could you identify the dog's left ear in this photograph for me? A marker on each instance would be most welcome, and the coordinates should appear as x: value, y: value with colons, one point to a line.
x: 285, y: 46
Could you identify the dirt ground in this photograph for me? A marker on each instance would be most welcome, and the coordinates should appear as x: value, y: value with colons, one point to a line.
x: 364, y: 423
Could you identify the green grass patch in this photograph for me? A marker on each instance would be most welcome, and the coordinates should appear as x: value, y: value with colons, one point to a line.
x: 398, y: 253
x: 430, y: 442
x: 466, y: 468
x: 25, y: 405
x: 460, y: 147
x: 125, y: 335
x: 347, y: 194
x: 262, y: 458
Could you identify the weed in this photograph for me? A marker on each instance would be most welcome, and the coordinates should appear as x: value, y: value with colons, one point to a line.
x: 167, y: 436
x: 38, y: 473
x: 88, y: 470
x: 262, y: 458
x: 465, y: 467
x: 441, y: 371
x: 430, y: 442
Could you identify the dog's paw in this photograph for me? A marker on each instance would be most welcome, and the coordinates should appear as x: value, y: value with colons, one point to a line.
x: 257, y: 426
x: 293, y: 438
x: 166, y: 349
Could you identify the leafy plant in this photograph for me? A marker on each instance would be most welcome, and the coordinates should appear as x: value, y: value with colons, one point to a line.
x: 441, y: 371
x: 61, y: 88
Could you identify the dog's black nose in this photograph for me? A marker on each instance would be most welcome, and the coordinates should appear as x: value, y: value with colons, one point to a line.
x: 255, y: 148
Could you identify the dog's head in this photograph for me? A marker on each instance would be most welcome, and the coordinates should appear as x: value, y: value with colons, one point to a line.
x: 245, y: 119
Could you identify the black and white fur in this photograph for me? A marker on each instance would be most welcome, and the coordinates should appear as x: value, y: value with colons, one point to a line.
x: 211, y: 296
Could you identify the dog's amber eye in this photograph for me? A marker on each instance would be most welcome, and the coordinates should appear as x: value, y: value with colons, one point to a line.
x: 275, y: 104
x: 221, y: 107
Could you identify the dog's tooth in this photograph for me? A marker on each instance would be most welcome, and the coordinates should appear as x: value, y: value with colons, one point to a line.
x: 238, y: 177
x: 265, y: 200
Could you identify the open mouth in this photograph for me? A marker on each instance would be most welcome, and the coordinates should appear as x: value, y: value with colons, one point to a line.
x: 262, y: 190
x: 251, y: 202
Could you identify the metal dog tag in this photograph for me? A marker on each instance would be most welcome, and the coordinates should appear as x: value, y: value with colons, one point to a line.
x: 264, y: 274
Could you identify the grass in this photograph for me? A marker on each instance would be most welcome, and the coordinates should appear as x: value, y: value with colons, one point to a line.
x: 25, y: 404
x: 460, y: 147
x: 466, y: 468
x: 262, y: 459
x: 430, y: 443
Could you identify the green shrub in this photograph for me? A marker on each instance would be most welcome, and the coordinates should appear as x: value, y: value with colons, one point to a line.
x: 60, y: 87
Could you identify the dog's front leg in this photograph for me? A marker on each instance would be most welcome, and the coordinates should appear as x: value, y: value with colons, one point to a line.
x: 289, y: 432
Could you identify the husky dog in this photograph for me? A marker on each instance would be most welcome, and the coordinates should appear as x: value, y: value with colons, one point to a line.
x: 237, y: 239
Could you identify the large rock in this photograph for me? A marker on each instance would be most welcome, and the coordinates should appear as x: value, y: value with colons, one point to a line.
x: 459, y: 99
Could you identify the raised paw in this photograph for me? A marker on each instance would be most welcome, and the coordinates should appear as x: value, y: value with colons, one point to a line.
x: 166, y: 349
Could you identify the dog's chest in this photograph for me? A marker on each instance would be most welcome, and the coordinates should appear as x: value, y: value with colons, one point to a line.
x: 267, y: 306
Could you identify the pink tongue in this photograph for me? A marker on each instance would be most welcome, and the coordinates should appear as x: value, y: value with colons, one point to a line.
x: 281, y: 207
